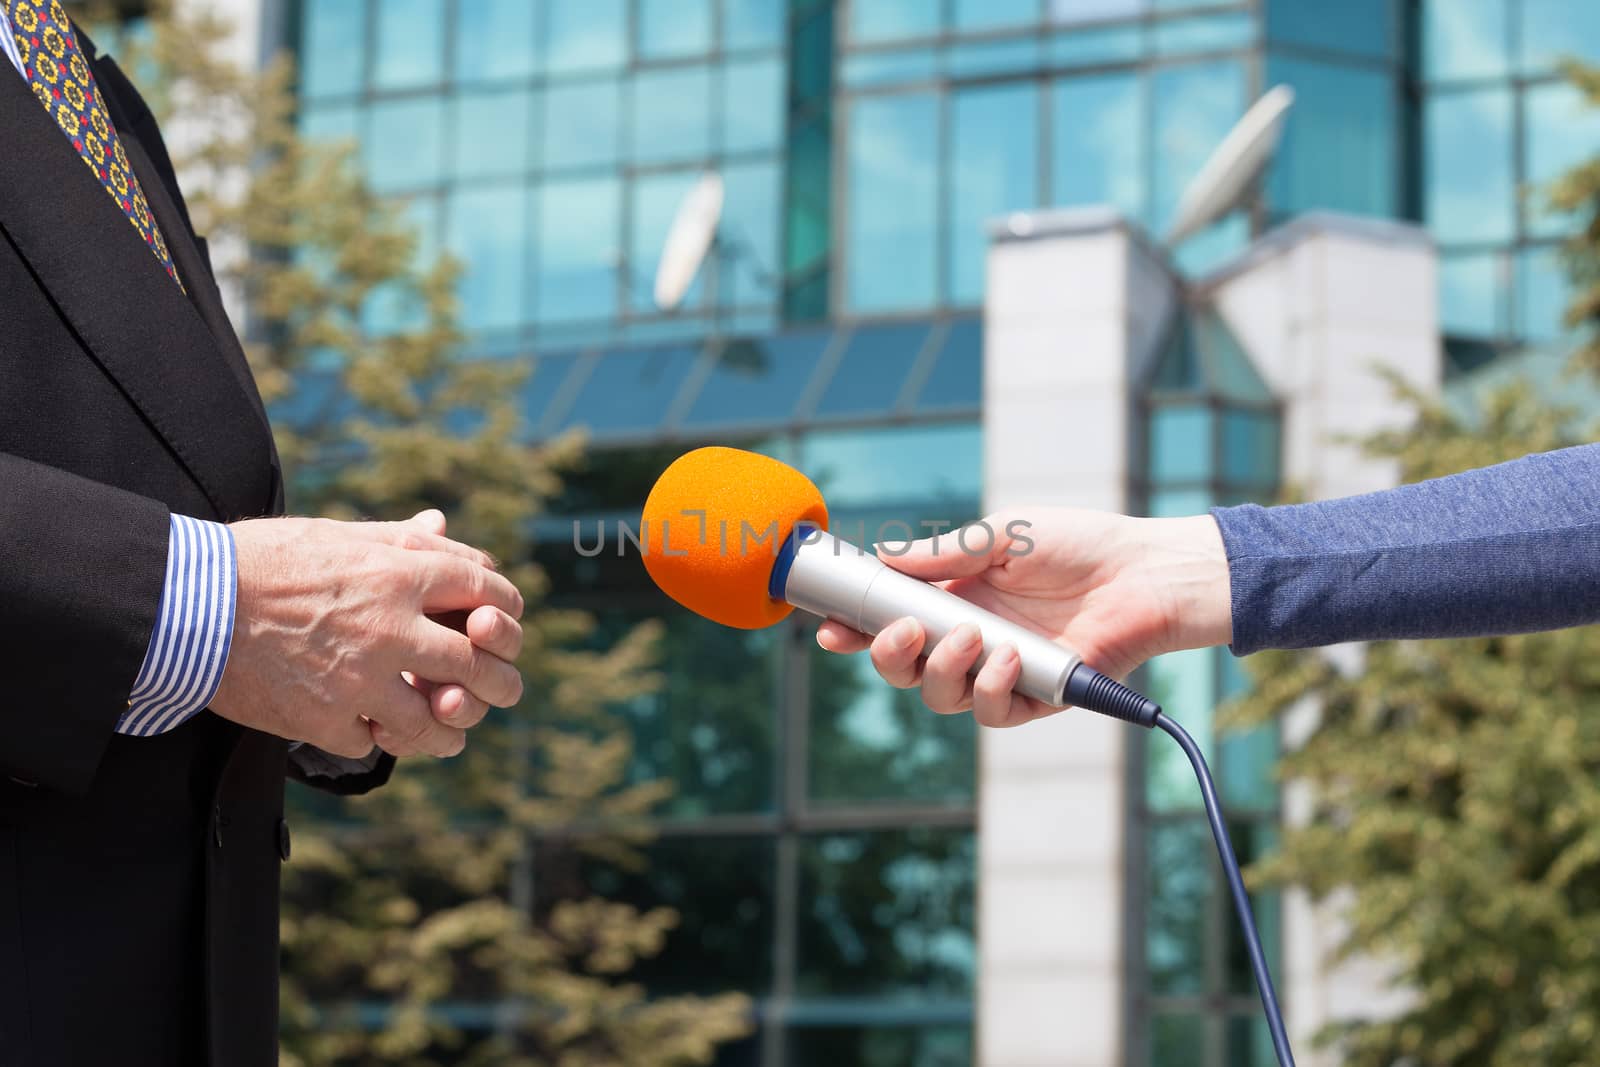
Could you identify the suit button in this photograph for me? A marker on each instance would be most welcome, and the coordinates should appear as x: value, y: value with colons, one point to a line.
x: 283, y: 840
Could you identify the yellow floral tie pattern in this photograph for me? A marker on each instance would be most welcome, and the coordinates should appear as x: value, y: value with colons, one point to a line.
x: 59, y: 77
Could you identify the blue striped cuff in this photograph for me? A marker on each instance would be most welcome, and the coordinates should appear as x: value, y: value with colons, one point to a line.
x: 194, y: 629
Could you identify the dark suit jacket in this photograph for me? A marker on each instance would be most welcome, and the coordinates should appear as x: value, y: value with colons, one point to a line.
x: 138, y: 876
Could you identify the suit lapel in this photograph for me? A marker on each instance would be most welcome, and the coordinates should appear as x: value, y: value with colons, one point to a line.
x: 129, y: 316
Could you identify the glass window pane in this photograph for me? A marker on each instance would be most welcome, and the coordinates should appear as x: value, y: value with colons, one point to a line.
x: 871, y: 743
x: 889, y: 20
x: 956, y: 380
x: 1465, y: 39
x: 1360, y: 27
x: 866, y: 70
x: 487, y: 232
x: 1092, y: 47
x: 1247, y: 775
x: 1472, y: 294
x: 1180, y: 445
x: 757, y: 379
x: 881, y: 1046
x: 1194, y: 107
x: 753, y: 24
x: 1552, y: 29
x: 403, y: 144
x: 673, y: 28
x: 1252, y: 840
x: 1467, y: 171
x: 721, y: 887
x: 995, y: 14
x: 1206, y: 33
x: 671, y: 115
x: 654, y: 203
x: 332, y: 45
x: 980, y: 59
x: 887, y: 912
x: 492, y: 133
x: 1561, y: 131
x: 1179, y: 887
x: 747, y: 257
x: 753, y: 97
x: 934, y: 469
x: 581, y: 124
x: 1098, y: 143
x: 579, y: 239
x: 495, y: 39
x: 585, y: 35
x: 1543, y: 292
x: 1091, y: 10
x: 549, y: 371
x: 892, y: 245
x: 331, y: 124
x: 630, y: 391
x: 1339, y: 148
x: 1177, y: 1038
x: 1187, y: 682
x: 994, y: 170
x: 1249, y: 1041
x: 410, y: 46
x: 873, y: 370
x: 1250, y: 448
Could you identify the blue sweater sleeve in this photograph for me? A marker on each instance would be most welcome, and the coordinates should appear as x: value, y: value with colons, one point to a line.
x: 1506, y: 549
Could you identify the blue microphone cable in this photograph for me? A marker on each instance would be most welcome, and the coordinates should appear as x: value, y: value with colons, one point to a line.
x: 1087, y: 688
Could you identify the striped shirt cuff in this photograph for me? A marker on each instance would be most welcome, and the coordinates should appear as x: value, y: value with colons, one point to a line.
x: 194, y: 629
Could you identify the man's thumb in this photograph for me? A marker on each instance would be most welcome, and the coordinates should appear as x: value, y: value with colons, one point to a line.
x: 431, y: 520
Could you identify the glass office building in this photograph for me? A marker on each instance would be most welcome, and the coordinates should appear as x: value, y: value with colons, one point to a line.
x: 821, y: 843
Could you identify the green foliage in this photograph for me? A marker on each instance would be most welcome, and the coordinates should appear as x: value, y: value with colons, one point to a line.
x: 423, y: 895
x: 1456, y: 784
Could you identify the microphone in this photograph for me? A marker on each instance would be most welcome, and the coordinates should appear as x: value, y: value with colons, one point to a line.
x: 742, y: 539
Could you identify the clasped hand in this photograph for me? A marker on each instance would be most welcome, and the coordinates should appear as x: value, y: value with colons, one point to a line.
x: 339, y: 639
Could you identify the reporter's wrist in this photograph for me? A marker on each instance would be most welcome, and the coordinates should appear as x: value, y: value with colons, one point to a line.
x: 1198, y: 580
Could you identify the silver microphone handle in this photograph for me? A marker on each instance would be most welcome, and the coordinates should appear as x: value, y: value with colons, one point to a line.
x: 840, y: 581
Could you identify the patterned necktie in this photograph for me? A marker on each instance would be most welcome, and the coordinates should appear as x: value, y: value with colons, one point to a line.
x: 60, y: 78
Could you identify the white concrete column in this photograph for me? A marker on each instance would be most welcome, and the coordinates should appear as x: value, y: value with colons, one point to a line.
x: 1075, y: 304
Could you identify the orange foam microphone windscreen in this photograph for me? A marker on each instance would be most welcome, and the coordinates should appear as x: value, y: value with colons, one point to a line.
x: 712, y: 528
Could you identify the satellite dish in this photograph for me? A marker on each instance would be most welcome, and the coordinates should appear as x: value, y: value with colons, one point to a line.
x: 1233, y: 168
x: 693, y: 229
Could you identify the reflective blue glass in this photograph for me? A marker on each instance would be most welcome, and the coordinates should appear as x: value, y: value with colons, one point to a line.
x: 332, y: 44
x: 753, y: 99
x: 915, y: 465
x: 753, y: 24
x: 487, y: 230
x: 581, y: 124
x: 873, y: 370
x: 403, y: 144
x: 1472, y: 294
x: 956, y: 380
x: 1177, y: 503
x: 1543, y: 292
x: 978, y: 59
x: 1098, y: 142
x: 653, y: 203
x: 1360, y: 27
x: 1177, y: 906
x: 1116, y: 44
x: 585, y: 35
x: 889, y: 20
x: 1203, y: 33
x: 1250, y: 445
x: 1249, y: 1040
x: 1185, y: 680
x: 1552, y: 29
x: 892, y: 241
x: 1175, y: 1036
x: 1247, y: 773
x: 669, y: 29
x: 421, y: 215
x: 410, y: 45
x: 1092, y: 10
x: 548, y: 374
x: 630, y: 391
x: 1470, y: 194
x: 757, y: 380
x: 944, y: 1045
x: 994, y: 170
x: 495, y: 40
x: 1338, y: 152
x: 1253, y: 840
x: 865, y: 70
x: 995, y: 14
x: 338, y: 123
x: 671, y: 114
x: 1194, y: 107
x: 492, y: 132
x: 1561, y: 130
x: 1181, y: 444
x: 752, y: 211
x: 1465, y: 39
x: 577, y: 243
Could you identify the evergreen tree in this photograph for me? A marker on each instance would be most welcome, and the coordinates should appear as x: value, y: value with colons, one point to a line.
x: 1457, y: 783
x: 405, y: 909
